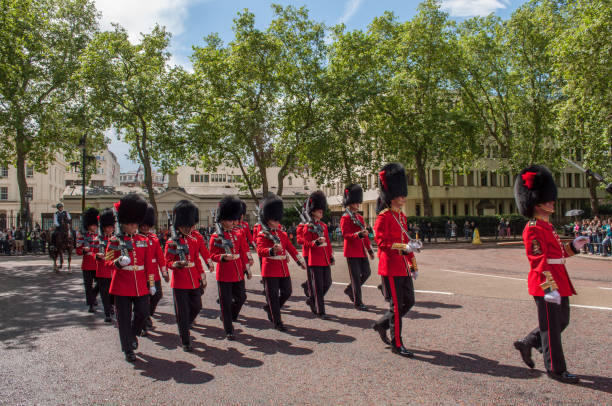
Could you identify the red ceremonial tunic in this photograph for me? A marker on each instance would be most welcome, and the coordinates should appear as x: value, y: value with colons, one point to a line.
x: 104, y: 270
x: 354, y: 245
x: 187, y: 277
x: 131, y: 280
x: 318, y: 255
x: 89, y: 240
x: 275, y: 265
x: 545, y: 252
x: 202, y: 249
x: 246, y: 230
x: 157, y: 256
x: 387, y: 231
x: 299, y: 233
x: 229, y: 271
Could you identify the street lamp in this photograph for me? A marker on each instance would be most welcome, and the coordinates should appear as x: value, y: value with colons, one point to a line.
x: 84, y: 158
x: 28, y: 198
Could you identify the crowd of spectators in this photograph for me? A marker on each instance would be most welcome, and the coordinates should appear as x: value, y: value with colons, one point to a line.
x: 18, y: 241
x: 599, y: 232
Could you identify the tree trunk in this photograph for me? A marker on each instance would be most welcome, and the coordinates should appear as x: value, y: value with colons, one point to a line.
x: 24, y: 210
x: 145, y: 158
x: 422, y: 177
x: 592, y: 183
x: 246, y: 178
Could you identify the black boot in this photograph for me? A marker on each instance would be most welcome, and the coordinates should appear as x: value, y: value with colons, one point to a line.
x: 382, y: 332
x: 525, y: 350
x: 402, y: 351
x: 564, y: 377
x: 130, y: 357
x: 349, y: 292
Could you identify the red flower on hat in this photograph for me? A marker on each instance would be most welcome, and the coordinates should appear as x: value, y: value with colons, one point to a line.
x: 383, y: 181
x: 346, y: 192
x: 528, y: 178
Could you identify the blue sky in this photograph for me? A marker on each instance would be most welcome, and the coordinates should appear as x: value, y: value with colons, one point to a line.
x: 192, y: 20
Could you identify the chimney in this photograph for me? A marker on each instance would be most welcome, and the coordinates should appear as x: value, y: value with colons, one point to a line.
x: 173, y: 181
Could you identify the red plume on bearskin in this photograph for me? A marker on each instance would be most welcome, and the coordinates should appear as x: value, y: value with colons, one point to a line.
x: 534, y: 185
x: 318, y: 201
x: 392, y: 182
x: 353, y: 193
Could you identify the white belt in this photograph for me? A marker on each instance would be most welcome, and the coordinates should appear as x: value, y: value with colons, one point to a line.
x: 278, y: 257
x: 322, y: 245
x: 133, y: 268
x: 154, y: 260
x: 188, y: 265
x: 555, y: 261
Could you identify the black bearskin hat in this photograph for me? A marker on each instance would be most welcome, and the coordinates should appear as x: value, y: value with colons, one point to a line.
x: 244, y: 208
x: 149, y: 217
x: 230, y: 208
x: 90, y: 217
x: 353, y: 193
x: 533, y: 185
x: 131, y: 209
x: 317, y: 201
x: 107, y: 218
x: 185, y: 214
x: 392, y: 182
x: 272, y: 208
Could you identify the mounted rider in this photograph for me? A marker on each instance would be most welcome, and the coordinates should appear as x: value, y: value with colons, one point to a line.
x: 59, y: 217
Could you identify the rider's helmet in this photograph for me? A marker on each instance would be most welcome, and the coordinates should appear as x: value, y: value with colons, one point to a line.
x: 60, y: 204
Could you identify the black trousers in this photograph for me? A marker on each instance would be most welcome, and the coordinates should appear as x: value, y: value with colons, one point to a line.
x: 187, y: 305
x: 320, y: 280
x: 278, y: 291
x: 130, y: 327
x: 91, y: 287
x: 107, y: 298
x: 359, y: 272
x: 401, y: 295
x: 307, y: 283
x: 552, y: 320
x: 154, y: 300
x: 232, y: 296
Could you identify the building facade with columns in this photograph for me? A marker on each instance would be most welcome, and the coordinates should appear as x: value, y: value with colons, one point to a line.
x: 106, y: 174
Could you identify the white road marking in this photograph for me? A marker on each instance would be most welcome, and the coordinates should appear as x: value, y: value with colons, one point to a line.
x: 484, y: 274
x: 591, y: 307
x: 601, y: 287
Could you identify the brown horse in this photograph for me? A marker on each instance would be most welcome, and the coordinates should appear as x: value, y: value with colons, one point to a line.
x: 64, y: 243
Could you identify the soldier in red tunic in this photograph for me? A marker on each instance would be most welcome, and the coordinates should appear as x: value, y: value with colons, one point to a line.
x: 273, y: 246
x: 320, y: 254
x: 397, y: 264
x: 299, y: 233
x: 356, y: 244
x: 104, y: 272
x: 244, y: 226
x: 182, y: 257
x: 87, y: 246
x: 133, y: 280
x: 227, y: 250
x: 548, y: 281
x: 158, y: 260
x: 204, y: 253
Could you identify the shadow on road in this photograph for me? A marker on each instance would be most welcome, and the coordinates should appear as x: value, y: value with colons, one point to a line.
x: 164, y: 370
x: 599, y: 383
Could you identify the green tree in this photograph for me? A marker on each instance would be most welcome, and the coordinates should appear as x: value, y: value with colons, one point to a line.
x: 135, y: 90
x: 42, y: 110
x: 258, y: 95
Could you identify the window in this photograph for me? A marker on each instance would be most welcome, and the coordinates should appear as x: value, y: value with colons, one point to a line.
x: 4, y: 172
x: 448, y: 178
x: 493, y: 179
x: 29, y: 172
x: 501, y: 208
x: 470, y: 178
x: 224, y: 178
x: 30, y: 192
x: 435, y: 177
x: 460, y: 179
x: 206, y: 178
x: 3, y: 193
x: 454, y: 209
x: 410, y: 178
x: 466, y: 209
x: 569, y: 180
x: 578, y: 177
x: 96, y: 183
x: 505, y: 180
x: 484, y: 178
x: 442, y: 209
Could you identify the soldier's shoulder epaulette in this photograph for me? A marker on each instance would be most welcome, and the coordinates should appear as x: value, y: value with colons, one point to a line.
x: 114, y: 240
x: 383, y: 211
x: 532, y: 222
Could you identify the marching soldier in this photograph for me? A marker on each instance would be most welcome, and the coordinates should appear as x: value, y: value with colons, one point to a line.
x: 159, y: 263
x: 133, y: 280
x: 227, y: 250
x: 548, y: 281
x: 244, y: 226
x: 87, y: 246
x: 320, y: 254
x: 299, y: 234
x: 356, y: 244
x: 203, y: 251
x: 397, y: 264
x: 182, y: 257
x: 273, y: 245
x: 246, y: 237
x: 104, y: 272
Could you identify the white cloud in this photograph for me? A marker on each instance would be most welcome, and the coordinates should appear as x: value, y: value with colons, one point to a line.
x: 140, y: 16
x: 470, y: 8
x: 350, y: 8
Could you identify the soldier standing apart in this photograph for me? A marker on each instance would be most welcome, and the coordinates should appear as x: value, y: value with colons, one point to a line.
x: 104, y: 272
x: 87, y: 246
x: 273, y: 245
x: 548, y: 281
x: 320, y: 254
x: 226, y: 249
x: 397, y: 264
x: 133, y: 280
x: 356, y: 244
x: 159, y: 263
x: 182, y: 257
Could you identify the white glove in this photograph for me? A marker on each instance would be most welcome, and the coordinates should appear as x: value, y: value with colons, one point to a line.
x: 553, y: 297
x: 152, y: 290
x: 580, y: 242
x: 124, y: 261
x: 415, y: 275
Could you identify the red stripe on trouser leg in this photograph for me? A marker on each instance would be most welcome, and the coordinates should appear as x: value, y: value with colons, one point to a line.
x: 548, y: 331
x: 396, y: 315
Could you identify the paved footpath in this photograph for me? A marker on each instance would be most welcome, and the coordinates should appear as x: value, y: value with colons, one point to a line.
x: 471, y: 305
